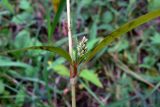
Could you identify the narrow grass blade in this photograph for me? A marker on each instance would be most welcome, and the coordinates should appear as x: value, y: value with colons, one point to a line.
x: 57, y: 15
x: 133, y: 74
x: 56, y: 50
x: 8, y: 5
x: 153, y: 90
x: 123, y: 29
x: 4, y: 63
x: 92, y: 93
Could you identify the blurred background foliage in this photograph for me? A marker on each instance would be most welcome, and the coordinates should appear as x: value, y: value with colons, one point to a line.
x: 111, y: 79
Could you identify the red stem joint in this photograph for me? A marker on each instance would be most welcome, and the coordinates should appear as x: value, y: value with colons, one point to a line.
x: 73, y: 71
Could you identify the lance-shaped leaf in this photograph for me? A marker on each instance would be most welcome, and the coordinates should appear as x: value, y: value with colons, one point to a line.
x: 123, y: 29
x: 53, y: 49
x: 59, y: 5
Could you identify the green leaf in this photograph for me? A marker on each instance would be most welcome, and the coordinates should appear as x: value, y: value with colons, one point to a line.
x: 58, y: 61
x: 91, y: 77
x: 153, y: 4
x: 120, y: 46
x: 107, y: 17
x: 123, y: 29
x: 23, y: 39
x: 133, y: 74
x: 35, y: 42
x: 92, y: 93
x: 20, y: 97
x: 85, y: 3
x: 153, y: 90
x: 61, y: 70
x: 91, y: 43
x: 31, y: 71
x: 156, y: 39
x: 53, y: 49
x: 7, y: 63
x: 21, y: 18
x: 1, y: 87
x: 57, y: 16
x: 25, y: 5
x: 3, y: 41
x: 93, y: 31
x: 7, y: 5
x: 148, y: 62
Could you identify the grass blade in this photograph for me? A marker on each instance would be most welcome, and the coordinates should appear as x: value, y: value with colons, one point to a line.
x: 57, y: 16
x: 92, y: 93
x: 8, y: 5
x: 152, y: 91
x: 133, y: 74
x: 123, y: 29
x: 56, y: 50
x: 4, y: 63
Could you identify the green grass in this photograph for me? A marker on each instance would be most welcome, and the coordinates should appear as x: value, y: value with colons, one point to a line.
x: 126, y: 72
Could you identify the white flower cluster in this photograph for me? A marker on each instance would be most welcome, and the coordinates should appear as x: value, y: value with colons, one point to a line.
x: 82, y: 47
